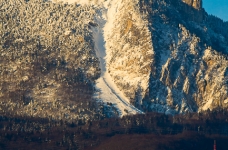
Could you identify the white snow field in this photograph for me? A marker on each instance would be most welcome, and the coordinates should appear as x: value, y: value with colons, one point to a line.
x: 107, y: 91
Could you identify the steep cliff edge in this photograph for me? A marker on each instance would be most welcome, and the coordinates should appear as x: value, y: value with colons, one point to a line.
x: 129, y: 50
x: 190, y: 61
x: 107, y: 91
x: 165, y: 56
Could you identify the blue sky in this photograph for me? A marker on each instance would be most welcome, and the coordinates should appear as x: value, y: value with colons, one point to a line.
x: 218, y: 8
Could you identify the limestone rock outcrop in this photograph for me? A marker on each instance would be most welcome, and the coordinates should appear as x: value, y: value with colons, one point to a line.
x: 130, y: 49
x: 197, y: 4
x: 187, y: 57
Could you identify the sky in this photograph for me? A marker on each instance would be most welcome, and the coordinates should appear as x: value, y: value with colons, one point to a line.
x: 217, y: 8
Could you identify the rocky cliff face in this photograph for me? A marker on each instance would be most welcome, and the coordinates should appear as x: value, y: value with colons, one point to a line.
x: 197, y: 4
x: 184, y: 57
x: 129, y: 51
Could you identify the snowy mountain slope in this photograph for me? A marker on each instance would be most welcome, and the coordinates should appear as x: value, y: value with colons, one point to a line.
x: 167, y: 56
x: 48, y: 61
x: 188, y: 76
x: 159, y: 54
x: 107, y: 90
x: 129, y: 50
x: 174, y: 43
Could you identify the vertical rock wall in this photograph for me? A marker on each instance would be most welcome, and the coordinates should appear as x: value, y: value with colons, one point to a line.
x: 158, y: 58
x: 188, y: 75
x: 129, y: 50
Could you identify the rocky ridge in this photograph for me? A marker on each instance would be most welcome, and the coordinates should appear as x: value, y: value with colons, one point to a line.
x: 174, y: 62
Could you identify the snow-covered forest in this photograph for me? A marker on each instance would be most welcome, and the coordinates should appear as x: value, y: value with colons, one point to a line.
x: 48, y: 62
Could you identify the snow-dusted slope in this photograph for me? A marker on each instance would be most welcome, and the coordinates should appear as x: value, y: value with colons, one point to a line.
x: 190, y: 61
x: 164, y: 56
x: 48, y: 61
x: 107, y: 90
x: 129, y: 50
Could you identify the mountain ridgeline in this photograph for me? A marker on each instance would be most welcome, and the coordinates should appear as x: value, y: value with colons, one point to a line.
x: 166, y: 56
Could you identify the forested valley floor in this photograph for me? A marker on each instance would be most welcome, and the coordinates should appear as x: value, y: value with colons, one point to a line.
x: 143, y: 131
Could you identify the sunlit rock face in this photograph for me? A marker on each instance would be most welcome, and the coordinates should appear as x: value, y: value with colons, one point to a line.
x: 187, y: 57
x: 129, y: 50
x: 197, y: 4
x: 189, y: 63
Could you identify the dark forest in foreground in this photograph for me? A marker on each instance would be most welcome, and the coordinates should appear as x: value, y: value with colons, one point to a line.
x: 147, y: 131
